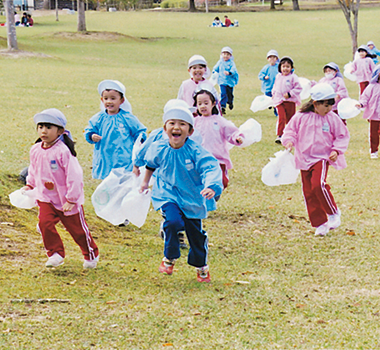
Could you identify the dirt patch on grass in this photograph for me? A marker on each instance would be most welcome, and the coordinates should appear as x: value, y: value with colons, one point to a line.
x: 109, y: 36
x: 21, y: 54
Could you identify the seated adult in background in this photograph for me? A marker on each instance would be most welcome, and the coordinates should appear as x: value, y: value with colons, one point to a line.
x: 227, y: 22
x: 216, y: 22
x: 17, y: 19
x: 24, y: 19
x: 30, y: 21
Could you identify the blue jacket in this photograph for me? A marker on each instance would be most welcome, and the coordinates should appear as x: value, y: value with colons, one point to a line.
x: 226, y: 66
x: 114, y: 150
x: 376, y: 52
x: 271, y: 72
x: 182, y: 174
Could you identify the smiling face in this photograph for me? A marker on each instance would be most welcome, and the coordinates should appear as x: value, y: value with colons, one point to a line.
x: 112, y: 101
x: 205, y: 105
x: 322, y: 108
x: 286, y: 68
x: 178, y: 131
x: 48, y: 133
x: 272, y: 60
x: 197, y: 72
x: 226, y: 56
x: 362, y: 53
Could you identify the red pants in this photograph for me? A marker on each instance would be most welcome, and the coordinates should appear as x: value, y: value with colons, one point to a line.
x: 75, y: 224
x: 362, y: 86
x: 225, y: 175
x: 318, y: 198
x: 374, y: 127
x: 285, y: 111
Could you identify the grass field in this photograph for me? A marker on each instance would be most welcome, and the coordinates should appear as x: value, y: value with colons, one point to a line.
x: 274, y: 285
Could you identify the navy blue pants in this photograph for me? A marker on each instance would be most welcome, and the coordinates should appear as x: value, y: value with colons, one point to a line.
x: 176, y: 221
x: 226, y: 96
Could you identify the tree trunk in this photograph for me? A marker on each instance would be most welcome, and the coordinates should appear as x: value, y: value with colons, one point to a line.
x: 206, y: 3
x: 11, y: 28
x: 296, y: 6
x: 56, y: 10
x: 97, y: 5
x: 192, y: 6
x: 81, y: 16
x: 347, y: 7
x: 272, y: 7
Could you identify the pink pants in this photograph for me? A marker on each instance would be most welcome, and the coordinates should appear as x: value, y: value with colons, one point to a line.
x: 318, y: 198
x: 75, y: 224
x: 285, y: 111
x: 362, y: 86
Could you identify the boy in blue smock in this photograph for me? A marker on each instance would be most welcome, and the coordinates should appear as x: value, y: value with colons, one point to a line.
x: 113, y: 131
x: 187, y: 176
x: 227, y: 79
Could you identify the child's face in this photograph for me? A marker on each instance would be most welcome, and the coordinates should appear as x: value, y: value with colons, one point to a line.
x: 329, y: 70
x: 322, y: 108
x: 178, y: 131
x: 286, y: 68
x: 272, y: 60
x: 112, y: 101
x: 226, y: 56
x: 362, y: 54
x: 48, y: 133
x: 370, y: 46
x: 197, y: 72
x: 204, y: 105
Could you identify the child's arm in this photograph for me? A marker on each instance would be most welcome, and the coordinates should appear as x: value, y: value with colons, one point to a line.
x: 208, y: 193
x: 208, y: 168
x: 296, y: 88
x: 231, y: 133
x: 145, y: 182
x: 92, y: 132
x: 263, y: 74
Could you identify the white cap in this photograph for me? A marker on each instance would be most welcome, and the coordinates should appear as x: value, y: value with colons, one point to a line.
x: 227, y: 49
x: 51, y: 116
x: 196, y: 59
x: 178, y: 103
x: 111, y: 85
x: 322, y: 91
x: 208, y: 88
x: 177, y: 111
x: 272, y: 53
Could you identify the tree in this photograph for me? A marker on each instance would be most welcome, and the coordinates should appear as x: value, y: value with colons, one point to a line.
x: 192, y: 6
x: 296, y: 6
x: 81, y: 16
x: 56, y: 10
x: 351, y: 7
x: 11, y: 28
x: 272, y: 7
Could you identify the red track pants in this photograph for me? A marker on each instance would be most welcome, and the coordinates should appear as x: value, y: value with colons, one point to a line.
x: 285, y: 111
x: 374, y: 128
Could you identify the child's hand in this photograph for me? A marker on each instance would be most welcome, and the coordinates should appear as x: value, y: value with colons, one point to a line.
x: 239, y: 140
x: 208, y: 193
x: 144, y: 187
x: 68, y: 206
x: 96, y: 137
x: 136, y: 170
x: 286, y: 95
x: 333, y: 156
x: 267, y: 77
x: 289, y: 146
x: 25, y: 188
x: 358, y: 106
x: 226, y: 73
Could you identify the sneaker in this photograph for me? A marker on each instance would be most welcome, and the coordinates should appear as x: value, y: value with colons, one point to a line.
x: 125, y: 223
x: 322, y: 230
x: 54, y: 261
x: 182, y: 242
x: 278, y: 140
x: 374, y: 155
x: 334, y: 220
x: 203, y: 274
x: 90, y: 264
x: 166, y: 266
x: 231, y: 106
x: 223, y: 110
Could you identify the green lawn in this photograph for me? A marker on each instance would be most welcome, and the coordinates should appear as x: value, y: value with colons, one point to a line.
x: 274, y: 285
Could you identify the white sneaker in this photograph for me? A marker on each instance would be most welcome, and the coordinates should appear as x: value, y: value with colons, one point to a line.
x: 334, y: 220
x: 91, y: 264
x: 54, y: 261
x: 374, y: 155
x: 322, y: 230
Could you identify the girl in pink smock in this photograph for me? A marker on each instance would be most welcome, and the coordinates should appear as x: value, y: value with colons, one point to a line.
x: 56, y: 175
x: 216, y: 131
x: 319, y: 138
x: 370, y: 100
x: 363, y: 67
x: 285, y: 94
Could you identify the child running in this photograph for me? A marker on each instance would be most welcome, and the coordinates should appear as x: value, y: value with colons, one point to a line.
x: 227, y: 79
x: 269, y: 72
x: 370, y: 100
x: 56, y: 175
x: 113, y: 131
x: 374, y: 51
x: 187, y: 177
x: 319, y: 138
x: 286, y: 94
x: 216, y: 131
x: 363, y: 67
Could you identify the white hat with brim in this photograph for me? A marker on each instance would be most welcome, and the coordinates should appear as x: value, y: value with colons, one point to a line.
x: 111, y: 85
x: 227, y: 49
x: 363, y: 47
x: 196, y: 59
x: 51, y: 116
x: 321, y: 92
x: 179, y: 113
x: 272, y: 53
x: 178, y: 103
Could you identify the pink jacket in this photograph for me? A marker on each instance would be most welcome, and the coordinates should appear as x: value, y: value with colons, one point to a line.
x: 216, y: 133
x: 314, y: 137
x: 337, y: 83
x: 363, y: 68
x: 187, y: 89
x: 370, y: 100
x: 286, y: 83
x: 57, y: 175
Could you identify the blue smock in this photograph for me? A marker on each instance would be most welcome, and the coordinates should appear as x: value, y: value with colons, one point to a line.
x: 271, y: 72
x: 114, y: 150
x: 226, y: 66
x: 182, y: 174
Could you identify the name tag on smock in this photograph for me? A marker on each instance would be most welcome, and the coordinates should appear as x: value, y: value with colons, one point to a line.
x: 326, y: 127
x: 121, y: 127
x: 216, y: 126
x: 189, y: 164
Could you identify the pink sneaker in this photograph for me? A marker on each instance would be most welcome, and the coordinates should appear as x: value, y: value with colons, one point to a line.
x: 203, y: 274
x: 166, y: 266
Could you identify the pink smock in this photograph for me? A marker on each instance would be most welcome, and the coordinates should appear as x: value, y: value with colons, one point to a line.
x: 370, y: 100
x: 363, y: 68
x: 286, y: 84
x: 337, y: 83
x: 187, y: 89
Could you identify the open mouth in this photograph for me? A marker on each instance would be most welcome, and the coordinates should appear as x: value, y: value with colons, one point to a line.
x: 176, y: 135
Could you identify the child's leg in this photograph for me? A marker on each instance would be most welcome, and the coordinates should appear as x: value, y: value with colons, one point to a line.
x: 223, y: 96
x: 281, y: 122
x: 374, y: 135
x: 173, y: 224
x: 198, y: 241
x: 48, y: 218
x: 77, y: 227
x: 362, y: 86
x: 318, y: 198
x: 230, y: 96
x: 290, y: 110
x: 224, y: 175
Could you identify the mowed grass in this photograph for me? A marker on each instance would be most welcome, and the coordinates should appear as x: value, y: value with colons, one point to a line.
x: 274, y: 285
